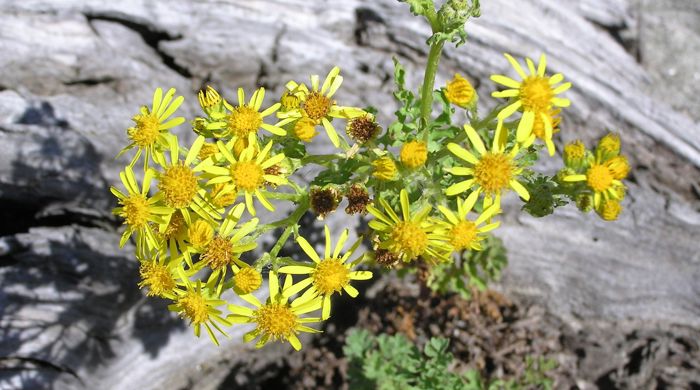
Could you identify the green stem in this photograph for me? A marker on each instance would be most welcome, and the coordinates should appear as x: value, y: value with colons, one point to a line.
x: 291, y: 223
x: 426, y: 99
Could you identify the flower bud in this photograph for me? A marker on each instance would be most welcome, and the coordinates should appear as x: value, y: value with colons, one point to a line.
x: 584, y: 202
x: 453, y: 14
x: 574, y: 154
x: 609, y: 209
x: 414, y: 154
x: 305, y: 129
x: 461, y: 93
x: 200, y: 233
x: 384, y: 168
x: 209, y: 99
x: 608, y: 146
x: 619, y: 167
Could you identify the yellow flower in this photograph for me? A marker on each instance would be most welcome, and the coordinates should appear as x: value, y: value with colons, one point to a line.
x: 609, y: 209
x: 534, y: 95
x: 246, y: 173
x: 224, y: 249
x: 608, y: 146
x: 137, y: 209
x: 277, y: 319
x: 246, y: 119
x: 179, y: 184
x: 460, y: 92
x: 414, y: 154
x: 246, y: 280
x: 305, y: 129
x: 464, y: 233
x: 151, y: 125
x: 384, y: 168
x: 210, y: 100
x: 158, y: 274
x: 200, y: 233
x: 574, y: 154
x: 196, y: 304
x: 619, y: 167
x: 495, y: 171
x: 601, y: 180
x: 318, y: 105
x: 539, y: 130
x: 412, y: 235
x: 329, y: 275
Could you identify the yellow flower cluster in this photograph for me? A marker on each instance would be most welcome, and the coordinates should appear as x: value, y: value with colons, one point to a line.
x: 193, y: 216
x: 598, y: 175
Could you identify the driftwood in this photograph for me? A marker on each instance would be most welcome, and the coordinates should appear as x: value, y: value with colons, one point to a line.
x: 73, y: 72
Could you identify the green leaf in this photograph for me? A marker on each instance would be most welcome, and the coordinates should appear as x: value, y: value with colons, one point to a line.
x: 420, y: 7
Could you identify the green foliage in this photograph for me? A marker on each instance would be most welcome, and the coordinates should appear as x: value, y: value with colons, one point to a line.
x: 545, y: 195
x: 474, y: 268
x: 420, y: 7
x: 394, y: 363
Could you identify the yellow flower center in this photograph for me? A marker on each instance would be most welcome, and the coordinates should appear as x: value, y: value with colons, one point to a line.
x: 384, y: 168
x: 305, y: 129
x: 463, y: 235
x: 276, y: 320
x: 219, y: 253
x: 179, y: 186
x: 414, y: 154
x: 243, y: 121
x: 536, y: 94
x: 599, y: 177
x: 194, y: 307
x: 200, y: 233
x: 157, y: 278
x: 146, y: 131
x: 317, y: 106
x: 408, y: 238
x: 247, y: 280
x: 330, y: 276
x: 136, y: 211
x: 247, y: 175
x: 176, y: 227
x: 493, y: 172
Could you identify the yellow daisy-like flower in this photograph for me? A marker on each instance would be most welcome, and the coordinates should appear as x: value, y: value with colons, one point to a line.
x: 601, y: 179
x: 247, y: 173
x: 158, y: 274
x: 223, y: 250
x: 534, y: 96
x: 137, y: 209
x: 179, y: 183
x: 330, y: 274
x: 463, y: 233
x: 317, y: 104
x: 492, y: 173
x: 412, y: 235
x: 609, y: 209
x: 277, y: 319
x: 246, y: 119
x: 196, y: 304
x: 151, y: 125
x: 460, y: 92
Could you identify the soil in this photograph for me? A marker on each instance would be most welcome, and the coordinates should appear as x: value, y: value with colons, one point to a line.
x: 491, y: 333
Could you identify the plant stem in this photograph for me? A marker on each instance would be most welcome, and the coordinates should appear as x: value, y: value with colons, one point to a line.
x: 426, y: 99
x: 291, y: 223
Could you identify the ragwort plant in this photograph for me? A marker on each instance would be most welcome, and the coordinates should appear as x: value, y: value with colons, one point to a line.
x: 432, y: 186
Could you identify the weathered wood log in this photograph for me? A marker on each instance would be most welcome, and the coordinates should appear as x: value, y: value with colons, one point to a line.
x: 72, y: 73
